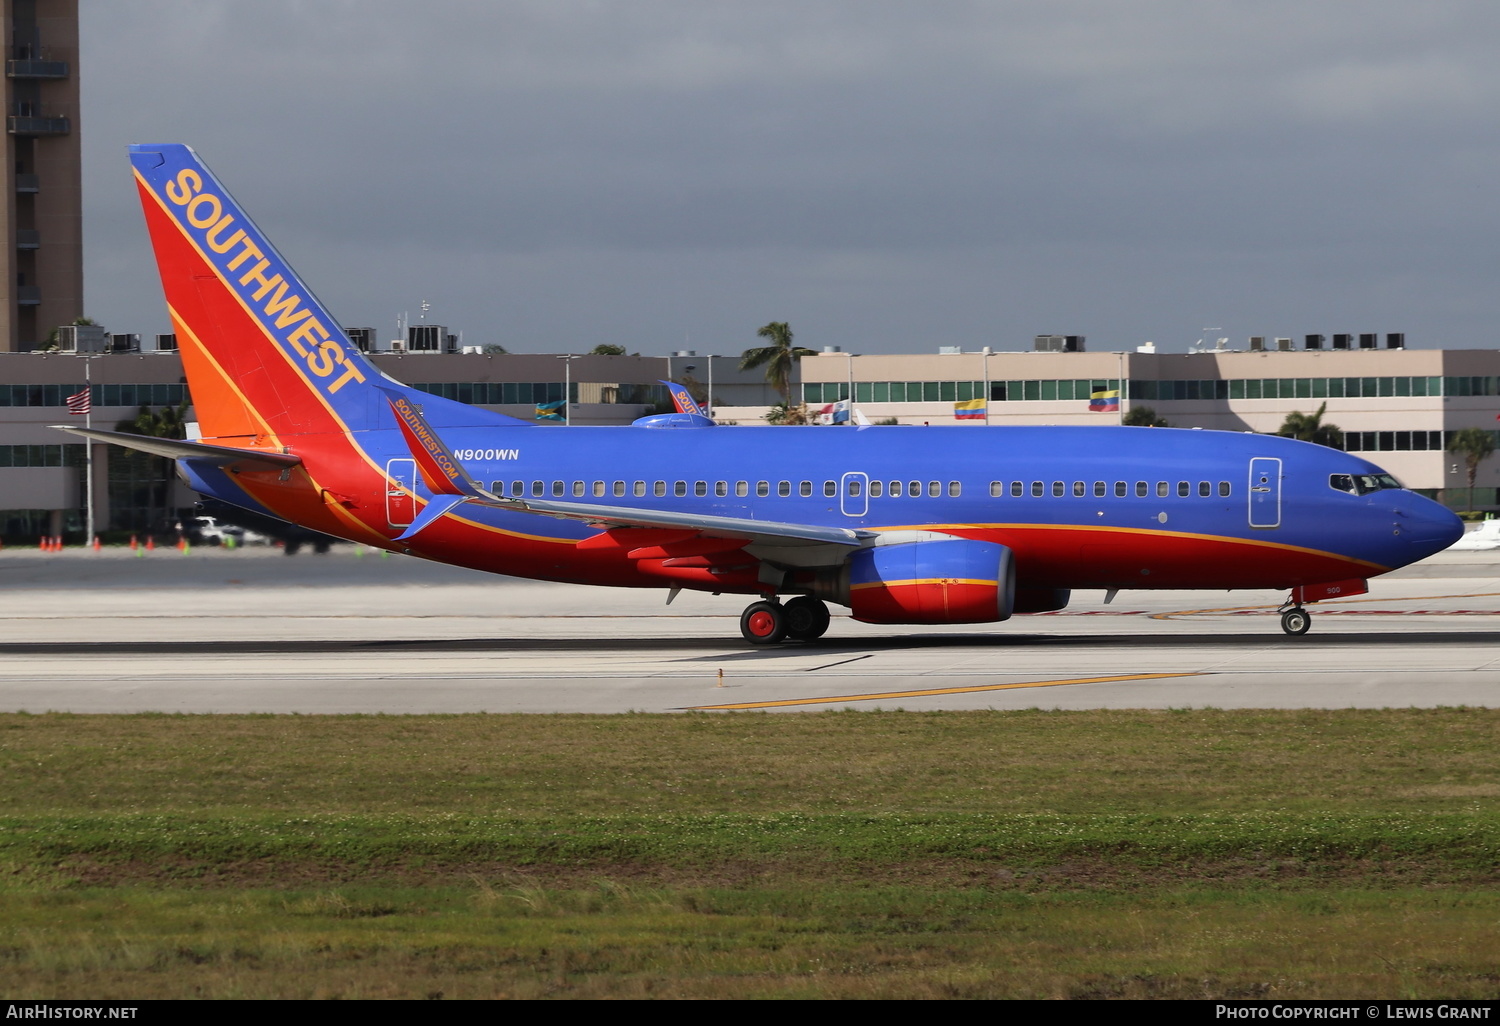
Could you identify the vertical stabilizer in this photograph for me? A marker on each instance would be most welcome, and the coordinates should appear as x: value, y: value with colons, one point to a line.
x: 264, y: 359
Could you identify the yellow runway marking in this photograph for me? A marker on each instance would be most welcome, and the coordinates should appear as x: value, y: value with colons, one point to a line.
x: 940, y: 691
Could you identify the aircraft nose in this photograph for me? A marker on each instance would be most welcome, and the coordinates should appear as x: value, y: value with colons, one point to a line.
x: 1428, y: 527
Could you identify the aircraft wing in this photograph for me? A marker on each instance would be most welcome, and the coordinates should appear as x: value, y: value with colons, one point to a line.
x: 177, y: 449
x: 452, y: 486
x: 754, y: 531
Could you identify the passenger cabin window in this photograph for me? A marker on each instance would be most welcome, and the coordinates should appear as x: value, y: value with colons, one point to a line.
x: 659, y: 488
x: 700, y: 487
x: 557, y: 489
x: 1224, y: 489
x: 518, y: 488
x: 1205, y: 489
x: 1098, y: 489
x: 742, y: 488
x: 619, y: 488
x: 934, y: 488
x: 1184, y: 489
x: 896, y: 489
x: 1018, y: 488
x: 721, y: 488
x: 598, y: 488
x: 856, y: 487
x: 679, y: 488
x: 538, y: 488
x: 914, y: 489
x: 1078, y: 489
x: 1057, y: 488
x: 1036, y: 489
x: 639, y: 488
x: 997, y: 489
x: 1142, y: 489
x: 955, y: 489
x: 1161, y: 488
x: 783, y: 488
x: 1121, y: 489
x: 830, y: 488
x: 804, y: 489
x: 875, y: 488
x: 762, y: 488
x: 577, y: 487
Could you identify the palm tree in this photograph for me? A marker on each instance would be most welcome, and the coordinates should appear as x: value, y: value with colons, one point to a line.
x: 778, y: 357
x: 1475, y: 445
x: 1310, y: 428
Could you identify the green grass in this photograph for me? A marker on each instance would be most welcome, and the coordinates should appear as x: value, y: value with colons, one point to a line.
x: 1036, y: 854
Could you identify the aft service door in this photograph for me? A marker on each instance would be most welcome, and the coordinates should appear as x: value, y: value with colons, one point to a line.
x: 401, y: 483
x: 854, y: 494
x: 1265, y: 492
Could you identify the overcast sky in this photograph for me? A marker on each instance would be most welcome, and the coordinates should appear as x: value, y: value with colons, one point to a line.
x: 887, y: 177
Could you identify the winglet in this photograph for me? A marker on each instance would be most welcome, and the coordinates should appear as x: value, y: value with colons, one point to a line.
x: 440, y: 469
x: 684, y: 399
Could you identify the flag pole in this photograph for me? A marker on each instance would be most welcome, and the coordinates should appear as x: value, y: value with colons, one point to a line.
x: 88, y: 452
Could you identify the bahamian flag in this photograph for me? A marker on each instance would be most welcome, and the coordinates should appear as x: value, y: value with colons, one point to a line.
x: 969, y: 409
x: 551, y: 411
x: 1105, y: 401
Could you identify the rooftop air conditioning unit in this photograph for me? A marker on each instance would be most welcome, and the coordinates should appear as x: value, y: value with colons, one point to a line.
x: 81, y: 338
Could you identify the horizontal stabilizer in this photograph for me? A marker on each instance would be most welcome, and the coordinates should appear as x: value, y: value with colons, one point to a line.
x: 177, y: 449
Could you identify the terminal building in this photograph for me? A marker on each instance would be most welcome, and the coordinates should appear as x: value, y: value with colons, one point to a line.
x: 1397, y: 406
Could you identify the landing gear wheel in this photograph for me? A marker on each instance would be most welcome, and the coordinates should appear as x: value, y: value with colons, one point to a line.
x: 806, y: 618
x: 1296, y: 621
x: 763, y: 623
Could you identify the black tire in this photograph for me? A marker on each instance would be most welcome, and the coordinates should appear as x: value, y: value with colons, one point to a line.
x: 292, y: 547
x: 763, y: 623
x: 1296, y: 621
x: 807, y: 618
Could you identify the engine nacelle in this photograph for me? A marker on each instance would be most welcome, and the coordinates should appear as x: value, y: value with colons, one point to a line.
x: 939, y: 581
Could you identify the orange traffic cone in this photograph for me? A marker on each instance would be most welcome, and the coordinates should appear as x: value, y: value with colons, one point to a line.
x: 150, y: 543
x: 97, y: 544
x: 134, y: 542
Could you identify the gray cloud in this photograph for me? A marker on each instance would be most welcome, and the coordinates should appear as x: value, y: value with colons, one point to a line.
x: 886, y: 176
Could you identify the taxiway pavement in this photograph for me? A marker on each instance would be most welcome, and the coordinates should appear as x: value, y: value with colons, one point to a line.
x: 252, y: 630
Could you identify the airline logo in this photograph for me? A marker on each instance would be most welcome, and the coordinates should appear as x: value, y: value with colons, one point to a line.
x: 253, y: 270
x: 440, y: 470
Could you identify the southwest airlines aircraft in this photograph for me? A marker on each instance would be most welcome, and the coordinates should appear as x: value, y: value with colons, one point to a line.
x: 903, y: 525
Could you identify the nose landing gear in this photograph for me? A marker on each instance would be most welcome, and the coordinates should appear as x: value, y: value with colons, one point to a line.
x: 1296, y: 620
x: 767, y: 622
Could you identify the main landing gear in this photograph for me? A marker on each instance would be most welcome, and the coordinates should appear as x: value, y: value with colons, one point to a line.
x: 801, y: 619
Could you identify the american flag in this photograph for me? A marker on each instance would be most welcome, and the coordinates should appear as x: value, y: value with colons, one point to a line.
x: 78, y: 404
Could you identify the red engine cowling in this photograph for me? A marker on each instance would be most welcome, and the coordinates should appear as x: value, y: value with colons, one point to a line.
x: 940, y: 581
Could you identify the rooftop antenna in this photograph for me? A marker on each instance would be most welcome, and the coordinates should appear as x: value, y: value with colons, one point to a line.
x: 425, y: 307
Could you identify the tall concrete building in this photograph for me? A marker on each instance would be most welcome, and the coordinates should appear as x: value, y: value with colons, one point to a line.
x: 43, y: 212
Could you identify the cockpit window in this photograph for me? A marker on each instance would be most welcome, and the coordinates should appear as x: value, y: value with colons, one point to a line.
x: 1362, y: 484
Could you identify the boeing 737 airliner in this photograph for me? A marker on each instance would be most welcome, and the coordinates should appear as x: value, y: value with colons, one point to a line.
x: 903, y: 525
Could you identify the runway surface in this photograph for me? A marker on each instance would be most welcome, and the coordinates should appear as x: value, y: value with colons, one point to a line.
x: 353, y: 632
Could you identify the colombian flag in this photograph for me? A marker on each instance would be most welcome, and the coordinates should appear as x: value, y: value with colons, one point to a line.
x: 1105, y: 402
x: 969, y: 409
